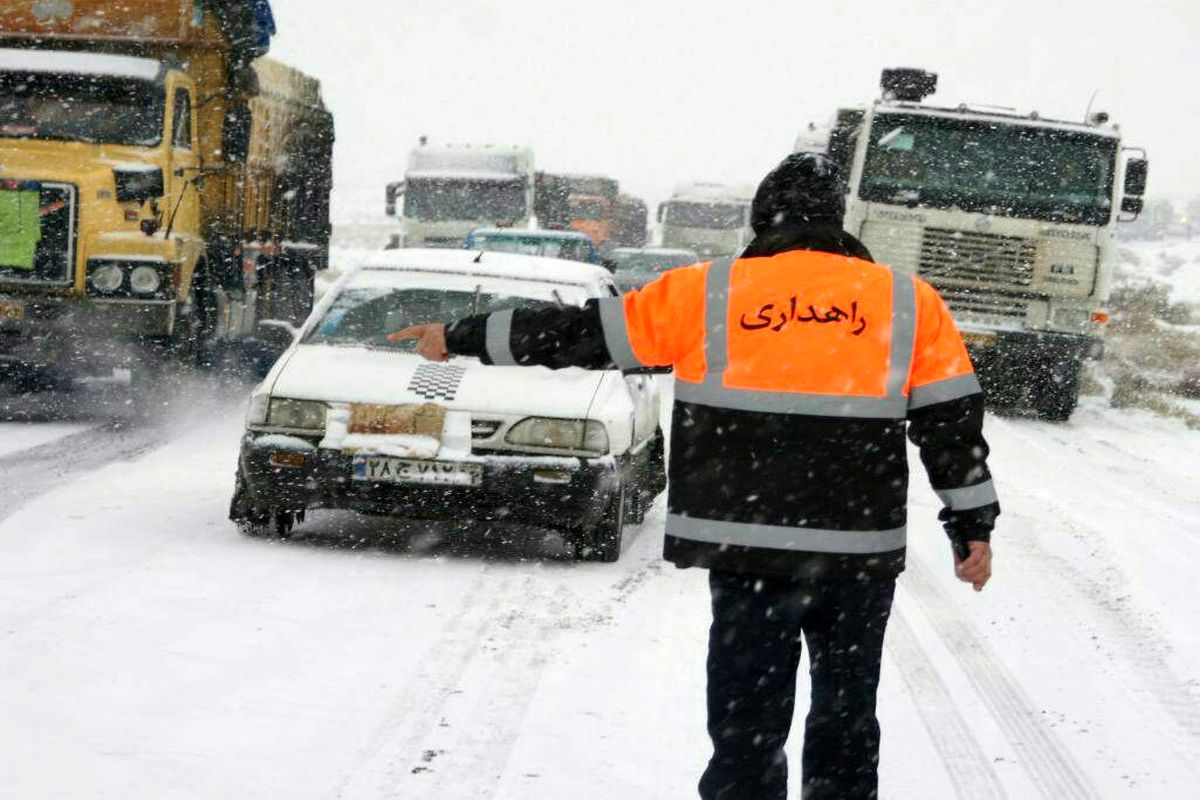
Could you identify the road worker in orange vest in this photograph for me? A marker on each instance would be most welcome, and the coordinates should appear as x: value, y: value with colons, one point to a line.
x: 800, y: 367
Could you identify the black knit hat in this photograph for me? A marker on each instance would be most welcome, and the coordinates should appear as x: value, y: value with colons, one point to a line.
x: 805, y: 187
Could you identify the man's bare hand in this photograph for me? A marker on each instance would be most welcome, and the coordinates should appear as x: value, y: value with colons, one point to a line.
x: 431, y: 340
x: 976, y: 568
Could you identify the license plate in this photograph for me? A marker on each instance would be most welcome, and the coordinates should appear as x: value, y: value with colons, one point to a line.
x: 979, y: 338
x: 382, y: 469
x: 10, y: 309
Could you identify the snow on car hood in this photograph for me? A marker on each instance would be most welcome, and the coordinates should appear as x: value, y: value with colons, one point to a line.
x: 376, y: 375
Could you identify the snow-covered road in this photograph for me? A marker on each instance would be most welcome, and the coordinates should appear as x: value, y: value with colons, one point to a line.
x: 147, y: 650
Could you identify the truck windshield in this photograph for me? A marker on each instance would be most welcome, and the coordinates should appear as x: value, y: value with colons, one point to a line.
x: 442, y: 199
x: 715, y: 216
x: 81, y: 108
x: 589, y: 209
x: 1008, y: 170
x: 366, y: 315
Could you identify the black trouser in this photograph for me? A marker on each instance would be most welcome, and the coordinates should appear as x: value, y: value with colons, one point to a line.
x: 753, y: 655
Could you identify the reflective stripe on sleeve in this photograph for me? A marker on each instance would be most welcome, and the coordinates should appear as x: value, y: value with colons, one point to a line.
x: 779, y: 537
x: 616, y: 334
x: 944, y: 391
x: 904, y: 333
x: 968, y: 497
x: 498, y: 337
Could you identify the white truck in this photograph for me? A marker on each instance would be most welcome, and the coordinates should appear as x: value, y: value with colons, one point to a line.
x: 710, y: 218
x: 1011, y: 217
x: 449, y: 190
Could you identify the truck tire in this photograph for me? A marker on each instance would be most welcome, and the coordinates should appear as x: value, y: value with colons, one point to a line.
x: 602, y: 542
x: 1058, y: 392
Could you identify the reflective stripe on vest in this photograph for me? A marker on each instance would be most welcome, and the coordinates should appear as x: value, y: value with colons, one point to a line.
x: 779, y: 537
x: 713, y: 392
x: 616, y: 334
x: 944, y: 391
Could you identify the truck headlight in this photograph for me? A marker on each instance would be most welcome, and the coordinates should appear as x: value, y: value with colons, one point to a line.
x: 308, y: 415
x: 145, y: 279
x: 107, y: 278
x: 559, y: 434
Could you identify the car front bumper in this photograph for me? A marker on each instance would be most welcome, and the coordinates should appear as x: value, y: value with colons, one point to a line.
x: 556, y: 492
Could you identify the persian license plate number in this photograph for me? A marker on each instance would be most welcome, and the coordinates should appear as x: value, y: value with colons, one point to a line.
x: 979, y: 338
x: 10, y: 309
x: 381, y: 469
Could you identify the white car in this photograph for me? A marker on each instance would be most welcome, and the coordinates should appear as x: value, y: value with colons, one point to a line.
x: 346, y: 419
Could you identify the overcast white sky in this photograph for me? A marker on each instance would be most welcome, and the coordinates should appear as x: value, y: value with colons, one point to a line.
x: 656, y: 92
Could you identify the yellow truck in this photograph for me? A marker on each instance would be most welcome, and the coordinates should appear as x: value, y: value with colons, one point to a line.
x: 163, y: 186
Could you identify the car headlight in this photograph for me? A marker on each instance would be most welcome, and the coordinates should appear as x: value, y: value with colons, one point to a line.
x: 107, y: 278
x: 296, y: 414
x: 145, y: 279
x: 559, y: 434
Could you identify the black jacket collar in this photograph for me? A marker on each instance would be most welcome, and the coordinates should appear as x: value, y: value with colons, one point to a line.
x: 806, y: 236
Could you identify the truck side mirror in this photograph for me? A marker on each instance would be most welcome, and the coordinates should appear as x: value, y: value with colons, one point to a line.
x: 662, y: 211
x: 394, y: 192
x: 235, y: 134
x: 1136, y: 172
x: 1132, y: 205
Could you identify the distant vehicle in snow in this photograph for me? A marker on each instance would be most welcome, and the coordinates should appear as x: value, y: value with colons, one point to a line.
x: 710, y: 218
x: 163, y: 188
x: 567, y: 245
x: 634, y: 267
x: 347, y: 419
x: 1011, y: 217
x: 449, y: 190
x: 629, y: 227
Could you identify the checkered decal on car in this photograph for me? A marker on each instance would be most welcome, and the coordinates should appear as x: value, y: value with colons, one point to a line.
x: 437, y: 381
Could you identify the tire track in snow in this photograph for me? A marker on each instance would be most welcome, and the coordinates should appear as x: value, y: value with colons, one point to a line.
x: 517, y: 634
x: 1176, y: 704
x: 1050, y: 765
x: 418, y: 709
x: 28, y: 474
x: 968, y: 767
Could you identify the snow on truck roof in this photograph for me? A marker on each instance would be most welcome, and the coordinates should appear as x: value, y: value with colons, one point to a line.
x: 506, y: 266
x: 76, y: 63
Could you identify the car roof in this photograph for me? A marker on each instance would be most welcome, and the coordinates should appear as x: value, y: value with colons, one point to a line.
x: 509, y: 266
x: 521, y: 233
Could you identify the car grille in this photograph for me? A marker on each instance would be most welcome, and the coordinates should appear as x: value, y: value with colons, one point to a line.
x: 55, y: 251
x: 979, y: 258
x: 482, y: 429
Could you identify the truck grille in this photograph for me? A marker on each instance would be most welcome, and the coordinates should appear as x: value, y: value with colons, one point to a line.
x: 984, y: 305
x: 983, y: 259
x: 484, y: 428
x: 53, y: 246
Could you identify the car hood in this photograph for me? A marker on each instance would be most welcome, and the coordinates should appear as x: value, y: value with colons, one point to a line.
x: 376, y: 375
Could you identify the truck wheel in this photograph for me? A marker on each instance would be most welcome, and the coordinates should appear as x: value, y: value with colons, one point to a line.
x: 603, y: 541
x: 1059, y: 392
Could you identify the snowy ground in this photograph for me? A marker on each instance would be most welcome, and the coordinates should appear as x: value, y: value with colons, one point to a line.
x: 149, y: 651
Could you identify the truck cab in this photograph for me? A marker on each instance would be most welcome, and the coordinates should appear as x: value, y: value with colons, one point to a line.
x: 1011, y: 217
x: 97, y: 153
x: 711, y: 219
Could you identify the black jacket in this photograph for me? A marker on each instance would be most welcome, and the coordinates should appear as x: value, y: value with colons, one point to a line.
x: 835, y: 473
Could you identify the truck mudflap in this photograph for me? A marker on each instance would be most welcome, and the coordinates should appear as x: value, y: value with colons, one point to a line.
x: 1032, y: 370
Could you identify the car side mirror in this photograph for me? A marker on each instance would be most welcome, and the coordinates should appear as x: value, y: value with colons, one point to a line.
x: 609, y: 265
x: 278, y: 331
x: 1137, y: 171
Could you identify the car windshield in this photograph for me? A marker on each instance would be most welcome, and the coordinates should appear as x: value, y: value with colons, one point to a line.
x: 442, y: 199
x: 715, y: 216
x: 651, y: 263
x: 365, y: 315
x: 1007, y: 170
x: 81, y: 108
x: 571, y: 249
